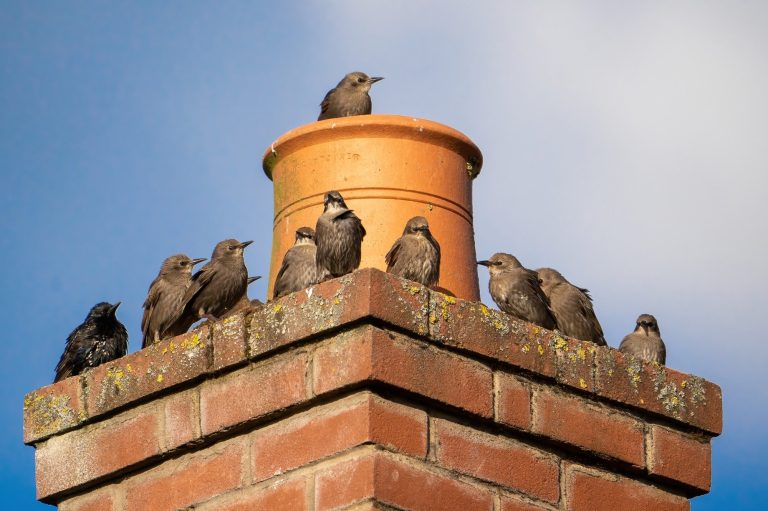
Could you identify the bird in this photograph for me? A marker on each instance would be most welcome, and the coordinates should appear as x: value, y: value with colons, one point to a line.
x: 99, y: 339
x: 244, y: 301
x: 338, y: 236
x: 645, y: 341
x: 416, y: 254
x: 217, y: 286
x: 349, y: 97
x: 516, y: 290
x: 298, y: 270
x: 163, y: 304
x: 571, y: 306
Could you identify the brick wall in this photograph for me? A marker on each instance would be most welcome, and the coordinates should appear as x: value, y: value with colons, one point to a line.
x: 371, y: 392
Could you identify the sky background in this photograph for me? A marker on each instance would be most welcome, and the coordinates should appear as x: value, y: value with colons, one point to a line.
x: 625, y: 144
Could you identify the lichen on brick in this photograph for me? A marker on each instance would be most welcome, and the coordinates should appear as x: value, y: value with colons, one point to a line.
x: 50, y: 413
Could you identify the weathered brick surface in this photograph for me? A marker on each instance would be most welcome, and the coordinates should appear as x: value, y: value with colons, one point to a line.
x: 513, y: 401
x: 345, y: 483
x: 281, y: 495
x: 515, y: 503
x: 576, y: 421
x: 575, y: 362
x: 99, y: 500
x: 53, y: 409
x: 497, y: 459
x: 77, y: 457
x: 402, y: 362
x: 181, y: 482
x: 602, y: 491
x: 147, y: 372
x: 252, y: 392
x: 229, y: 341
x: 680, y: 457
x: 182, y: 422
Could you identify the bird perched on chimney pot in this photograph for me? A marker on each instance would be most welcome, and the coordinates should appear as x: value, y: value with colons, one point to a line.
x: 338, y: 236
x: 516, y: 290
x: 349, y: 97
x: 416, y: 254
x: 99, y: 339
x: 218, y: 285
x: 298, y: 270
x: 645, y: 342
x: 571, y: 306
x: 163, y: 305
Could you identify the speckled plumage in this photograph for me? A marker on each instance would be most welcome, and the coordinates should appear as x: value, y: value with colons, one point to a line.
x: 163, y: 305
x: 338, y: 235
x: 571, y: 306
x: 349, y: 97
x: 516, y: 290
x: 416, y: 254
x: 645, y: 341
x: 298, y: 270
x: 99, y: 339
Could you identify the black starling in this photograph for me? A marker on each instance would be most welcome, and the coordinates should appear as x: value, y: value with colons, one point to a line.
x: 349, y: 97
x: 298, y: 269
x: 163, y: 305
x: 571, y: 306
x: 338, y: 235
x: 100, y: 338
x: 416, y: 254
x: 218, y: 285
x: 244, y: 301
x: 516, y: 290
x: 645, y: 342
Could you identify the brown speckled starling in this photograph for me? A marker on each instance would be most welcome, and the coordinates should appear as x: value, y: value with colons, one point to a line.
x: 298, y: 270
x: 349, y: 97
x: 416, y: 254
x: 338, y: 236
x: 645, y: 342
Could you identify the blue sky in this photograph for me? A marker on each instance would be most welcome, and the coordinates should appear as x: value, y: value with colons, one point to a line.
x: 624, y: 144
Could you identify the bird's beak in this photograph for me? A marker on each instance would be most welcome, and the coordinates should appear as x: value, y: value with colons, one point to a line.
x: 251, y: 280
x: 375, y: 79
x: 198, y: 261
x: 113, y: 310
x: 484, y: 263
x: 245, y: 244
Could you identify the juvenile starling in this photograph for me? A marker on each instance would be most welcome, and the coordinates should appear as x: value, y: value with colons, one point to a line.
x: 416, y: 254
x: 645, y: 342
x: 218, y: 285
x: 244, y: 301
x: 100, y: 338
x: 516, y: 290
x: 298, y: 269
x: 349, y: 97
x: 163, y: 305
x: 571, y: 306
x: 338, y: 235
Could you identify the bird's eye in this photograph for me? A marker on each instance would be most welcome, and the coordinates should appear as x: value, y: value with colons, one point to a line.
x: 231, y: 247
x: 361, y: 80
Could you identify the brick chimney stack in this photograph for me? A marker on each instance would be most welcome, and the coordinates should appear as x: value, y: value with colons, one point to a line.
x: 371, y: 392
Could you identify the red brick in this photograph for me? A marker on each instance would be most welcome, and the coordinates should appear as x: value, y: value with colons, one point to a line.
x: 513, y: 401
x: 414, y: 488
x: 98, y: 500
x: 282, y: 495
x: 335, y: 428
x: 182, y: 424
x: 193, y: 478
x: 680, y: 457
x: 70, y: 460
x: 575, y: 362
x: 411, y: 365
x: 344, y: 483
x: 509, y: 503
x: 229, y: 344
x: 475, y: 328
x: 601, y: 491
x: 652, y: 387
x: 53, y: 409
x: 575, y: 421
x: 256, y: 390
x: 498, y: 460
x: 147, y: 372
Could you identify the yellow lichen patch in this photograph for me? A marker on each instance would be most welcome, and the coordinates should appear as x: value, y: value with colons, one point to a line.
x: 582, y: 383
x: 160, y: 378
x: 561, y: 344
x: 450, y: 299
x: 541, y: 349
x: 277, y: 308
x: 116, y: 375
x: 581, y: 353
x: 498, y: 325
x: 484, y: 310
x: 526, y: 348
x: 336, y: 301
x: 414, y: 290
x: 432, y: 319
x: 192, y: 342
x: 684, y: 383
x: 128, y: 368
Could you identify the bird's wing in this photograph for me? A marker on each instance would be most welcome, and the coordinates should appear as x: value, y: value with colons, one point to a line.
x: 348, y: 213
x: 153, y: 295
x: 326, y: 101
x: 199, y: 281
x: 575, y: 315
x: 279, y: 284
x: 391, y: 257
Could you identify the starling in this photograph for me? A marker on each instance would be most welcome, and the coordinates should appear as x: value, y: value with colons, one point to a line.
x: 349, y: 97
x: 516, y: 290
x: 416, y: 254
x: 338, y: 235
x: 298, y: 269
x: 217, y: 286
x: 163, y: 305
x: 244, y: 301
x: 100, y: 338
x: 645, y: 342
x: 571, y: 306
